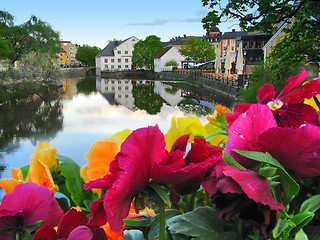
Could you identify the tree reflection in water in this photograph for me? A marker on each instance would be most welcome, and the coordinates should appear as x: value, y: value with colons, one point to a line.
x: 34, y: 120
x: 145, y: 99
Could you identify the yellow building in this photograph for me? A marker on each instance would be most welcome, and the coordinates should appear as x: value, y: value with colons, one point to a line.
x: 62, y: 57
x: 70, y: 50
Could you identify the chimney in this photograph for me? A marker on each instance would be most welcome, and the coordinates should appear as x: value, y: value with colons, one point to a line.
x: 233, y: 30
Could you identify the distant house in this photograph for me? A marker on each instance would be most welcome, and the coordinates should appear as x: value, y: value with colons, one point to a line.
x: 167, y: 54
x: 116, y: 56
x: 70, y: 52
x: 277, y: 37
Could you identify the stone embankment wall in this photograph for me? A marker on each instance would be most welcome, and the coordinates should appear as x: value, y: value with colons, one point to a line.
x: 217, y: 87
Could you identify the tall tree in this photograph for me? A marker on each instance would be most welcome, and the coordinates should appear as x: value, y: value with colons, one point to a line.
x: 86, y: 54
x: 145, y: 51
x: 197, y: 49
x: 34, y: 35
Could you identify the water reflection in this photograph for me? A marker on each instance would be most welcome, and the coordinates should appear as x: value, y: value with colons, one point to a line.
x: 152, y: 95
x: 90, y: 109
x: 33, y: 120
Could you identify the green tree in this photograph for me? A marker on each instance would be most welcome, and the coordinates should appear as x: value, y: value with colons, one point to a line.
x: 197, y: 49
x: 301, y: 44
x: 145, y: 51
x: 34, y: 35
x: 172, y: 63
x: 86, y: 54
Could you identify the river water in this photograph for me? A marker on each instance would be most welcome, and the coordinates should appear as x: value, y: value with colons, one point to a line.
x: 90, y: 109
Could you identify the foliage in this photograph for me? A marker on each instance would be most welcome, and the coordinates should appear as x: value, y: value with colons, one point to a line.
x: 197, y: 49
x: 145, y: 51
x: 86, y: 86
x: 172, y: 63
x: 145, y: 99
x: 34, y: 35
x: 86, y: 54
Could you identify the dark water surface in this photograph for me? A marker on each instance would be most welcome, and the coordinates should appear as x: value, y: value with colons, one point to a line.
x: 90, y: 109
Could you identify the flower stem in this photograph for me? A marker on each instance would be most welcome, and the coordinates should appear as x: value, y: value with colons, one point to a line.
x: 162, y: 221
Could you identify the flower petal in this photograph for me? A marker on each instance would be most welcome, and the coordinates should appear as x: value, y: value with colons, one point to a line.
x: 244, y: 132
x: 183, y: 126
x: 38, y: 199
x: 81, y: 233
x: 292, y: 83
x: 45, y: 232
x: 295, y: 115
x: 296, y: 149
x: 70, y: 220
x: 138, y: 153
x: 266, y: 94
x: 237, y: 111
x: 306, y: 91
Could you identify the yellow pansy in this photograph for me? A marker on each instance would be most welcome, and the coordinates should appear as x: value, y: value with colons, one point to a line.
x: 181, y: 126
x: 41, y: 161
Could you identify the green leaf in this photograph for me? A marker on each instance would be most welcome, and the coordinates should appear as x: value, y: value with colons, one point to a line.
x: 33, y: 226
x: 74, y: 183
x: 302, y: 218
x: 281, y: 226
x: 133, y: 235
x: 311, y: 205
x: 289, y: 186
x: 154, y: 226
x: 202, y: 223
x: 301, y: 235
x: 7, y: 230
x: 267, y: 171
x: 25, y: 171
x: 162, y: 193
x: 137, y: 222
x: 230, y: 161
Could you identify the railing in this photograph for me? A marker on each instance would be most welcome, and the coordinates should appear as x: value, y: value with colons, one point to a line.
x: 211, y: 75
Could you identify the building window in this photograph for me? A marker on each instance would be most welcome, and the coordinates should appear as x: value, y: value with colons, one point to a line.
x: 119, y: 95
x: 112, y: 88
x: 251, y: 45
x: 112, y: 81
x: 126, y: 60
x: 106, y: 66
x: 224, y: 41
x: 126, y: 96
x: 112, y: 60
x: 127, y: 66
x: 119, y: 87
x: 232, y: 48
x: 112, y: 66
x: 232, y: 41
x: 119, y: 60
x: 126, y: 52
x: 126, y: 88
x: 106, y: 60
x: 119, y: 81
x: 119, y: 52
x: 61, y: 59
x: 119, y: 66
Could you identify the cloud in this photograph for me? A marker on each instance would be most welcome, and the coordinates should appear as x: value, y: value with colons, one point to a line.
x: 158, y: 22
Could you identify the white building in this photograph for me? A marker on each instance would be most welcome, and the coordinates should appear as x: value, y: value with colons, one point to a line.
x: 167, y: 54
x: 116, y: 56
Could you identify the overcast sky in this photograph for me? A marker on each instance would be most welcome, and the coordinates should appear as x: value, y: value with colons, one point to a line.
x: 96, y: 22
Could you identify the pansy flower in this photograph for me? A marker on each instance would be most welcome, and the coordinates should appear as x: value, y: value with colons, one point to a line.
x: 41, y: 162
x: 141, y: 160
x: 243, y: 194
x: 8, y: 184
x: 27, y: 204
x: 288, y: 108
x: 72, y: 226
x: 295, y: 149
x: 182, y: 126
